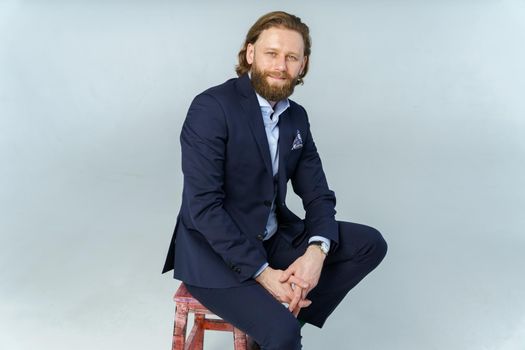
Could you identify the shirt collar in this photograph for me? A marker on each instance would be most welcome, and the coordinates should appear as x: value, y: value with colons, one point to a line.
x: 280, y: 106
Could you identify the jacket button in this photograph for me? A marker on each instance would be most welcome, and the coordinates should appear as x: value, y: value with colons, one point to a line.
x: 260, y: 237
x: 268, y: 203
x: 238, y: 270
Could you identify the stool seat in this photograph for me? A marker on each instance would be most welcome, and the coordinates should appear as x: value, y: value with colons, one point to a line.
x: 186, y: 303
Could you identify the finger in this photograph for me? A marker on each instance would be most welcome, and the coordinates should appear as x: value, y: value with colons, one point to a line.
x: 296, y: 311
x: 301, y: 305
x: 300, y: 282
x: 305, y: 293
x: 296, y: 298
x: 286, y: 274
x: 288, y: 294
x: 304, y: 303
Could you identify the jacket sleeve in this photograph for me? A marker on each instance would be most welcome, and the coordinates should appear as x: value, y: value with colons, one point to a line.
x: 309, y: 183
x: 203, y: 143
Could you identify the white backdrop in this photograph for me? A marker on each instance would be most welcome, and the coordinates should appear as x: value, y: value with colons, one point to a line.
x: 417, y: 111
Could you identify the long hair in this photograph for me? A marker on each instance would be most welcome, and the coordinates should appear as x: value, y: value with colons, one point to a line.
x: 269, y: 20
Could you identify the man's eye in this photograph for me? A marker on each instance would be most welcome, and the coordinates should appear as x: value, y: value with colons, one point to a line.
x: 292, y: 58
x: 273, y: 54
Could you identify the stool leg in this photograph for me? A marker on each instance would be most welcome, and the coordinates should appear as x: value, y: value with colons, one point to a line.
x: 196, y: 337
x: 179, y: 329
x: 239, y: 339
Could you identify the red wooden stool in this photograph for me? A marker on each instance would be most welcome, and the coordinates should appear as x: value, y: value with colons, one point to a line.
x: 185, y: 303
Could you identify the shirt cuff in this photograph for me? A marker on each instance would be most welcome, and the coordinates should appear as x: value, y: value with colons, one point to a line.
x: 319, y: 238
x: 265, y: 265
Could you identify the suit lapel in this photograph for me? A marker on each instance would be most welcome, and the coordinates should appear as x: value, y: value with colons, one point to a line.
x: 251, y: 107
x: 285, y: 135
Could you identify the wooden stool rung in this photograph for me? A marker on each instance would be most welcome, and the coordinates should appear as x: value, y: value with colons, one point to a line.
x: 185, y: 303
x: 217, y: 325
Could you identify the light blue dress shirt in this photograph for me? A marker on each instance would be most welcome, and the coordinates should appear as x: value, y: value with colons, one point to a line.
x: 271, y: 126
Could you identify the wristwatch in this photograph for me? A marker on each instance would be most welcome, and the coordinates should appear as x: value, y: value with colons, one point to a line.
x: 322, y: 245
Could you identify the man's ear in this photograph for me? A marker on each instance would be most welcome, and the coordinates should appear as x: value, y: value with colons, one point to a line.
x: 250, y: 52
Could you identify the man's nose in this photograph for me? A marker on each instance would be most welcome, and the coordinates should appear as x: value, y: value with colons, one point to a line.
x: 280, y: 63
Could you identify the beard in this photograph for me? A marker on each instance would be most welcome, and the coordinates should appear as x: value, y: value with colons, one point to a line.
x: 271, y: 92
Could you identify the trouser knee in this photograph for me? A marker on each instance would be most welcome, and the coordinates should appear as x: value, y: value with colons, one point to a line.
x: 283, y: 335
x: 378, y: 247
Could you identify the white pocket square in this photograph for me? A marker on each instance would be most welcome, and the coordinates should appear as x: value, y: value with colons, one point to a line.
x: 297, y: 142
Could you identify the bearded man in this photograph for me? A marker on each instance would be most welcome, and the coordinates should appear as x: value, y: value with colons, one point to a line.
x: 238, y: 248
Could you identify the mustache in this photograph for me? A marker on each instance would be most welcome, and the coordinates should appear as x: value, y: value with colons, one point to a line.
x: 282, y: 75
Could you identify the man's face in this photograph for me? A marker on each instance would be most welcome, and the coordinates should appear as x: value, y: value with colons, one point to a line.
x: 277, y: 59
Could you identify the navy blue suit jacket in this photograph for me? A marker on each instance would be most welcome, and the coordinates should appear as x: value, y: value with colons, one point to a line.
x: 229, y: 186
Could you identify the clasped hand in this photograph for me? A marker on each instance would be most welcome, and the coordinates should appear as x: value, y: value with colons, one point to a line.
x: 292, y: 285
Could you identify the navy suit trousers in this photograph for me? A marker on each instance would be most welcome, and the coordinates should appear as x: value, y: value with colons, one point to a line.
x: 254, y: 310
